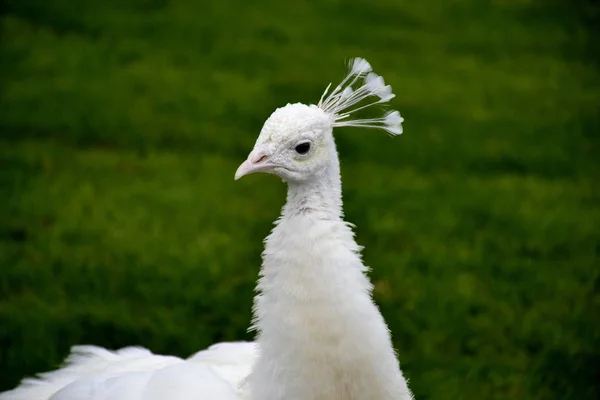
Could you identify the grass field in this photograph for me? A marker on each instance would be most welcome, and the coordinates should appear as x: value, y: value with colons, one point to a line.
x: 122, y: 123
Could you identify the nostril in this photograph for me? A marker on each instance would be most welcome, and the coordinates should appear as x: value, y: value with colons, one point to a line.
x: 261, y: 159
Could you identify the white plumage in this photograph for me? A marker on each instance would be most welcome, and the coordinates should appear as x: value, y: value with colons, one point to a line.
x: 134, y: 373
x: 319, y: 333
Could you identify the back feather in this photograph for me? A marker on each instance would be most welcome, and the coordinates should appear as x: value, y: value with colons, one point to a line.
x: 91, y: 372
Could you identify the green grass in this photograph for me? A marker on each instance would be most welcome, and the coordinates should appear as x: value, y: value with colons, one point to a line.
x: 122, y: 124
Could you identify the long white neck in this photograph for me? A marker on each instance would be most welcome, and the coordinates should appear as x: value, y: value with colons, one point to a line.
x: 320, y: 197
x: 320, y: 334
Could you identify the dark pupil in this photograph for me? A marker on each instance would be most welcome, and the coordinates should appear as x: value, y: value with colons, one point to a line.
x: 303, y: 148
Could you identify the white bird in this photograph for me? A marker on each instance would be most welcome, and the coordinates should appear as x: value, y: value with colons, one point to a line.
x: 319, y: 333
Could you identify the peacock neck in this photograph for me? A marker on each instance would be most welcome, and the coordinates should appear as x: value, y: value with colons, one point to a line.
x: 320, y: 196
x: 320, y: 334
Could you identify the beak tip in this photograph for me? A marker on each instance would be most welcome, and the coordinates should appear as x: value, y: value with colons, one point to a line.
x: 241, y: 171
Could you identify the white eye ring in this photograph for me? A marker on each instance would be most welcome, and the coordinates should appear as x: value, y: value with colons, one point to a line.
x: 302, y: 148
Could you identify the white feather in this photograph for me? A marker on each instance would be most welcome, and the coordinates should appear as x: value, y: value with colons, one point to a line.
x: 338, y: 103
x: 393, y: 122
x: 347, y: 92
x: 359, y: 66
x: 133, y: 373
x: 374, y: 82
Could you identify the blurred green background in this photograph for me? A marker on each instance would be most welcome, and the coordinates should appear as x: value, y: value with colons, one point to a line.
x: 122, y: 123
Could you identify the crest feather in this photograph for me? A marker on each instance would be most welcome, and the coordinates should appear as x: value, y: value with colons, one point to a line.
x: 345, y: 95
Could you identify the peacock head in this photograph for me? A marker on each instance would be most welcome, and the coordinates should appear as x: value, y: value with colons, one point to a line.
x: 296, y: 141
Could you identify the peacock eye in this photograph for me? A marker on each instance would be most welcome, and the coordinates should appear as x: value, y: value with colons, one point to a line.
x: 303, y: 148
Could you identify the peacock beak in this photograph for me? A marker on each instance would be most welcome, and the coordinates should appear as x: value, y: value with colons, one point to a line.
x: 258, y: 161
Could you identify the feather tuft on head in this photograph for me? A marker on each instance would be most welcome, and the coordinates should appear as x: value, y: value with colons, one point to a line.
x: 344, y: 96
x: 359, y: 66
